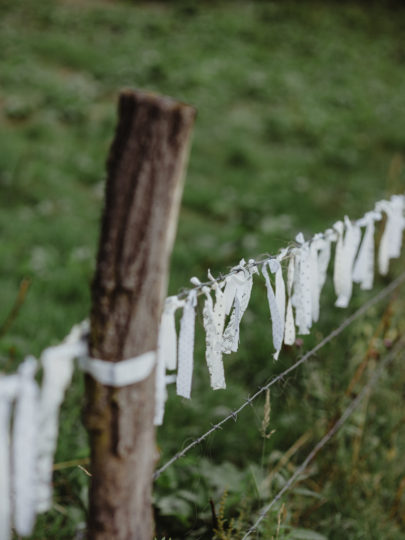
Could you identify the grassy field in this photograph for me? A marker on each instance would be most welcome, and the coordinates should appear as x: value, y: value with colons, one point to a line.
x: 300, y: 121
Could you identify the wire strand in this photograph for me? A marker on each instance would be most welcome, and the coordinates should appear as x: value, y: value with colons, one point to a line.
x: 328, y: 436
x: 233, y: 415
x: 284, y: 253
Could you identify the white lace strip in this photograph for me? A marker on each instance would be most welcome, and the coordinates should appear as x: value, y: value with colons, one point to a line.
x: 214, y: 319
x: 8, y: 389
x: 363, y: 270
x: 24, y: 448
x: 302, y: 297
x: 166, y: 354
x: 315, y: 279
x: 391, y: 240
x: 346, y: 250
x: 167, y: 332
x: 244, y: 282
x: 280, y: 289
x: 324, y: 254
x: 276, y: 317
x: 232, y: 283
x: 186, y: 347
x: 57, y: 363
x: 320, y: 251
x: 289, y: 328
x: 338, y: 268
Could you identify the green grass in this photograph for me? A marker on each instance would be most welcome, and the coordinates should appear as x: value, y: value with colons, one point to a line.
x: 300, y: 121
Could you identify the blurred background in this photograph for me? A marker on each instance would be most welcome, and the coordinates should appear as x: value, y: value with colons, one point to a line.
x: 300, y: 121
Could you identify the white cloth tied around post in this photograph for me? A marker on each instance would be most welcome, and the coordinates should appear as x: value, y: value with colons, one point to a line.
x: 391, y: 240
x: 122, y: 373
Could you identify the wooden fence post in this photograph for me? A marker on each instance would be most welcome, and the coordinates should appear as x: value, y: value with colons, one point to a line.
x: 143, y: 192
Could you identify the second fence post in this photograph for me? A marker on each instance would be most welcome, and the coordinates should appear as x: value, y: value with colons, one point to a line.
x: 143, y: 192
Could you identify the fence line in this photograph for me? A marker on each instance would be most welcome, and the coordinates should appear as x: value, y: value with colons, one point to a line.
x: 294, y: 303
x: 233, y: 415
x: 331, y: 234
x: 284, y: 254
x: 21, y: 395
x: 329, y: 435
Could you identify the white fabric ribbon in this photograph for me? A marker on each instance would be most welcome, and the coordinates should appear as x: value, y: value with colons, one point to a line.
x: 363, y: 270
x: 289, y: 327
x: 338, y: 268
x: 9, y: 386
x: 391, y: 240
x: 346, y: 250
x: 276, y: 303
x: 302, y: 295
x: 280, y: 288
x: 186, y: 347
x: 214, y: 320
x: 160, y: 390
x: 166, y: 354
x: 24, y: 447
x: 319, y: 256
x: 243, y: 282
x: 122, y: 373
x: 324, y: 253
x: 236, y: 290
x: 58, y: 366
x: 232, y: 282
x: 167, y: 332
x: 315, y: 280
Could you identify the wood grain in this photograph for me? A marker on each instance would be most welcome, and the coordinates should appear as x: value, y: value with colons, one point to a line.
x: 143, y: 192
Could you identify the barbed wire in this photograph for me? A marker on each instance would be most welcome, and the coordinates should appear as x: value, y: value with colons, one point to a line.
x: 233, y: 415
x: 284, y: 254
x: 328, y: 436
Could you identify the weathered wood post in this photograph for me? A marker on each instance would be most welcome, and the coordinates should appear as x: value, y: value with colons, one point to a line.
x: 143, y: 192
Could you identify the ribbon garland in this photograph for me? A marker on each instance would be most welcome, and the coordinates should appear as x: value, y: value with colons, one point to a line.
x: 25, y: 488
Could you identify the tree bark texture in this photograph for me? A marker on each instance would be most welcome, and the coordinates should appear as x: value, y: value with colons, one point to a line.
x: 143, y: 192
